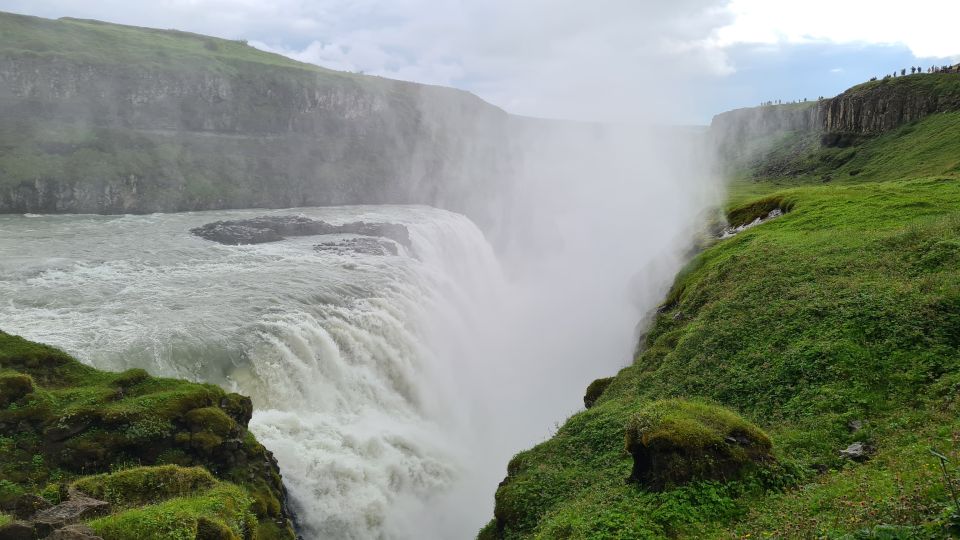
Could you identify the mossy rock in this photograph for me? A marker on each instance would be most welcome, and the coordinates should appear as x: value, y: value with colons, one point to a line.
x: 211, y: 420
x: 146, y: 485
x: 208, y: 529
x: 594, y: 391
x: 130, y: 378
x: 14, y: 387
x: 240, y: 408
x: 77, y: 421
x: 676, y: 441
x: 760, y: 208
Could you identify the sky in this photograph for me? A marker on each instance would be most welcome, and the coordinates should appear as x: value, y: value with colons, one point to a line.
x: 686, y: 60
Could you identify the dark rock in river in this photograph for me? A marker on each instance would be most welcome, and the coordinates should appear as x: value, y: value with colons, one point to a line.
x: 273, y: 228
x: 365, y: 246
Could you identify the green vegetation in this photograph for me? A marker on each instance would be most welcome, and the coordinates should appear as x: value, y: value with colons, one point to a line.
x: 834, y: 323
x: 223, y: 511
x: 167, y: 454
x: 95, y: 42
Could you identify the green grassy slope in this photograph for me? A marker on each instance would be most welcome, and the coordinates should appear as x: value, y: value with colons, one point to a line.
x: 846, y: 308
x: 98, y: 42
x: 178, y: 453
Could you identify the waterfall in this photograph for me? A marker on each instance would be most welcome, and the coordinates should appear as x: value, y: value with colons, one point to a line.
x: 357, y: 363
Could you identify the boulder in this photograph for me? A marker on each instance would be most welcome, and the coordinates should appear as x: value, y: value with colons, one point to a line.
x: 858, y: 451
x: 74, y: 532
x: 28, y: 505
x: 18, y: 530
x: 676, y: 441
x: 77, y: 508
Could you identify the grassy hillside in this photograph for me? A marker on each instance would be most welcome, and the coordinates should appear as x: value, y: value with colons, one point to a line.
x: 98, y: 42
x: 171, y: 457
x: 838, y: 322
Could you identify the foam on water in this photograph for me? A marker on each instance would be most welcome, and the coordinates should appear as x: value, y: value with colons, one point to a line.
x: 351, y: 359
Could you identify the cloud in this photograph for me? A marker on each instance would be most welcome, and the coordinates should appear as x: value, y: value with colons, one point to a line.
x: 606, y: 59
x: 926, y: 27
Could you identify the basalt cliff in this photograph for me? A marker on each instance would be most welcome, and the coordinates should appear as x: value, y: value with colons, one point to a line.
x: 105, y: 118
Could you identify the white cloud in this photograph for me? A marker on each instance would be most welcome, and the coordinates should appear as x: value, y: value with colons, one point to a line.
x: 927, y: 27
x: 605, y: 59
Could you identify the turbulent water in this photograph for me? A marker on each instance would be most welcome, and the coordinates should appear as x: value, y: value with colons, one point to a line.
x: 353, y: 360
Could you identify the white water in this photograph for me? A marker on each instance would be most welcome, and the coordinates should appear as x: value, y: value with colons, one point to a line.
x: 354, y: 362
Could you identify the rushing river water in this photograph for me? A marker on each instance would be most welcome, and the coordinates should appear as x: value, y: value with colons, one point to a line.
x: 351, y: 358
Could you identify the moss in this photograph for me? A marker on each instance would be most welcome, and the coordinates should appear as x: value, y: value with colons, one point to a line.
x: 146, y: 485
x: 179, y: 518
x: 14, y: 387
x: 4, y: 519
x: 594, y: 390
x: 128, y: 437
x: 211, y: 420
x: 208, y: 529
x: 130, y: 377
x: 678, y: 441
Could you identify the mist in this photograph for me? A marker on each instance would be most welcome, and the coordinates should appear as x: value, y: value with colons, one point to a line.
x: 395, y: 397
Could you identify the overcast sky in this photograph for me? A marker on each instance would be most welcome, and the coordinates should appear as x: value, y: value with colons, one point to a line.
x: 665, y: 61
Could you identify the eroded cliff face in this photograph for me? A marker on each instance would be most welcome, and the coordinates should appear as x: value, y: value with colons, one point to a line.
x: 85, y: 134
x: 881, y: 107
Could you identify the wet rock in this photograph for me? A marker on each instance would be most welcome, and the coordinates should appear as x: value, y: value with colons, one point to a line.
x: 77, y: 508
x: 264, y: 229
x: 364, y: 246
x: 28, y: 505
x: 18, y: 530
x: 858, y: 451
x: 74, y: 532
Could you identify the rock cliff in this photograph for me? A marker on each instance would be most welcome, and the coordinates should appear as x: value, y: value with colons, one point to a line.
x: 868, y: 109
x: 113, y: 119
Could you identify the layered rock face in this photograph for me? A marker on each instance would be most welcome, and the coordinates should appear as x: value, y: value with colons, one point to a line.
x: 119, y: 119
x: 868, y: 109
x: 879, y: 108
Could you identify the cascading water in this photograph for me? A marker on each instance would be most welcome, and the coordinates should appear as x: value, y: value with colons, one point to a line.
x: 353, y: 360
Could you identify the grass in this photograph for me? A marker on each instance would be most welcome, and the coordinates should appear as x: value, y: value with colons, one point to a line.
x: 135, y: 440
x: 845, y: 308
x: 95, y: 42
x: 224, y: 509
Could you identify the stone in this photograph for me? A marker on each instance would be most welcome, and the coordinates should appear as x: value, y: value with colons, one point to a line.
x: 74, y: 532
x: 18, y: 530
x: 855, y: 425
x: 857, y: 451
x: 28, y: 505
x: 265, y: 229
x: 365, y: 246
x: 77, y: 508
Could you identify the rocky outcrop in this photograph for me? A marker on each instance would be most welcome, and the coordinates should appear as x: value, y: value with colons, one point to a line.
x: 265, y: 229
x: 868, y: 109
x: 735, y: 129
x: 81, y: 421
x: 884, y: 105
